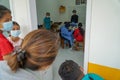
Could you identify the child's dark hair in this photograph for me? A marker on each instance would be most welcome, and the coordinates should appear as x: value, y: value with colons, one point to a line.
x: 15, y: 23
x: 74, y: 11
x: 69, y: 70
x: 81, y: 29
x: 80, y: 24
x: 47, y: 14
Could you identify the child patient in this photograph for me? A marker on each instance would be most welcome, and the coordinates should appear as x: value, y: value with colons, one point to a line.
x: 69, y: 70
x: 14, y: 35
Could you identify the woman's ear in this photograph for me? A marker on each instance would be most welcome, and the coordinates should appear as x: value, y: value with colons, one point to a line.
x: 81, y: 69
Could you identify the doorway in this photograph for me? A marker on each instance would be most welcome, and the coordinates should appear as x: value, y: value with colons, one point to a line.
x: 62, y: 17
x: 88, y: 23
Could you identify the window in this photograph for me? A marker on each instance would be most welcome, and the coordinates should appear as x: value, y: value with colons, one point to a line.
x: 79, y: 2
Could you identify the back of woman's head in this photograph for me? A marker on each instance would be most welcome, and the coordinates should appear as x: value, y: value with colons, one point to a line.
x: 38, y: 50
x: 3, y: 11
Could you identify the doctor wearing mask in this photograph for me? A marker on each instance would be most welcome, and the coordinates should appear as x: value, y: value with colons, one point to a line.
x: 14, y: 35
x: 5, y: 25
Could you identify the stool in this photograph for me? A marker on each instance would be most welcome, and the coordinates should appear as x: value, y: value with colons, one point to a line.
x: 62, y: 41
x: 77, y: 45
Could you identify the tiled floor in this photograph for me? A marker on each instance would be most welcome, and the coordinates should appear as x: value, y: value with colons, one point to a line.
x: 66, y: 54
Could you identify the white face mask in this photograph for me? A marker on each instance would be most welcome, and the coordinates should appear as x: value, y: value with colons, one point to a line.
x: 15, y: 33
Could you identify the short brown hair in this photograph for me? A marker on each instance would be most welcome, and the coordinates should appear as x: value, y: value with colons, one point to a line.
x: 47, y: 14
x: 40, y: 46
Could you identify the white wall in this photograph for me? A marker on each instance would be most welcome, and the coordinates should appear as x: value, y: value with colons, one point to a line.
x: 5, y: 3
x: 24, y: 12
x: 44, y: 6
x: 105, y: 33
x: 70, y: 5
x: 52, y: 6
x: 67, y: 3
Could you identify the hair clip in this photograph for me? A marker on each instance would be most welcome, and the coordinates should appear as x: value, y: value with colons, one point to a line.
x: 21, y: 54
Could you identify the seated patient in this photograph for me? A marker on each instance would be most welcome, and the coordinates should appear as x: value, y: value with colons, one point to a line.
x: 78, y: 36
x: 79, y: 33
x: 37, y: 53
x: 14, y: 35
x: 69, y: 70
x: 66, y: 33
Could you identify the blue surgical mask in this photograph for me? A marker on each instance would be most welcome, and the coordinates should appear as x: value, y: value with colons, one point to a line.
x: 15, y: 33
x: 7, y: 26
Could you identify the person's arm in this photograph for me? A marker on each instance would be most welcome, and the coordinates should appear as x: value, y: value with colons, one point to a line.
x: 77, y: 18
x: 70, y: 32
x: 71, y: 18
x: 65, y: 32
x: 6, y: 57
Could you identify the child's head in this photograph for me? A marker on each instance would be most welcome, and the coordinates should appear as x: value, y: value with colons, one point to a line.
x: 16, y: 26
x: 15, y: 32
x: 47, y: 14
x: 69, y: 70
x: 74, y: 11
x: 80, y: 24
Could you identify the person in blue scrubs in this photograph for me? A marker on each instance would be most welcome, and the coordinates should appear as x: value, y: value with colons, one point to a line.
x: 66, y: 33
x: 47, y: 21
x: 70, y: 70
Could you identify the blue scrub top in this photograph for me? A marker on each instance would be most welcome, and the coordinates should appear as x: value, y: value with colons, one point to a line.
x: 47, y: 22
x: 67, y: 34
x: 93, y: 76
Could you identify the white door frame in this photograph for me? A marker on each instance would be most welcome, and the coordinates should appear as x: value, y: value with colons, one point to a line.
x: 87, y: 35
x: 87, y: 32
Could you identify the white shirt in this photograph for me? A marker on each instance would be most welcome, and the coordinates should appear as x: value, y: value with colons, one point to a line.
x: 15, y: 44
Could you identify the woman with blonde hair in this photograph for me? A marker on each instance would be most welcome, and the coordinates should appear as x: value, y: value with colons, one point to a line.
x: 38, y: 51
